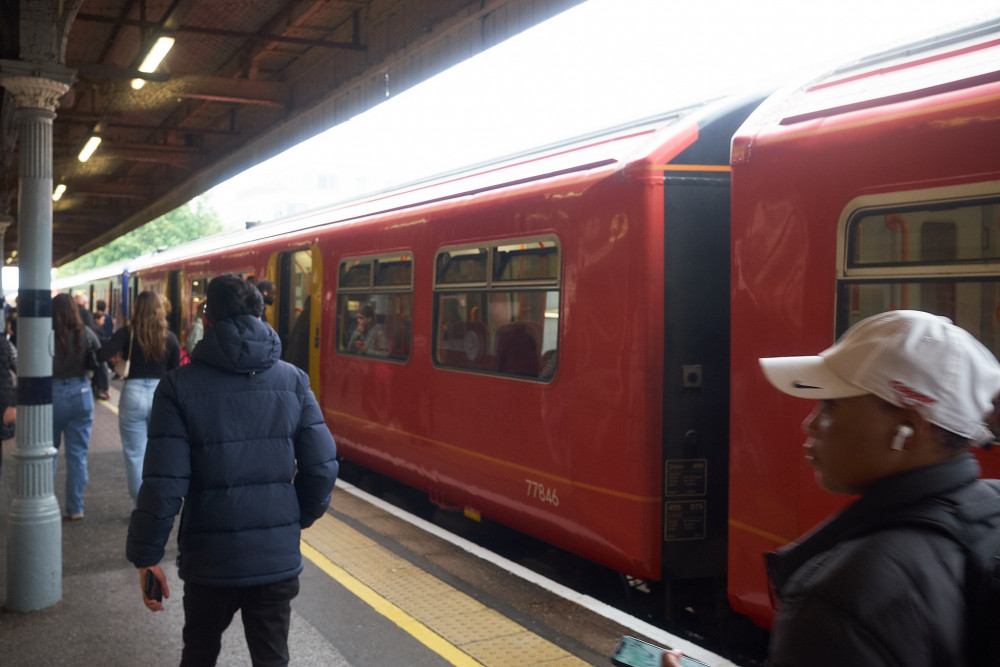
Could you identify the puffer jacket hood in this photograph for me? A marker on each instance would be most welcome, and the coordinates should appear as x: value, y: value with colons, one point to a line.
x: 241, y: 344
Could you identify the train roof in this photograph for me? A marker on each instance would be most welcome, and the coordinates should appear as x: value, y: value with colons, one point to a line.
x: 593, y: 155
x: 959, y: 59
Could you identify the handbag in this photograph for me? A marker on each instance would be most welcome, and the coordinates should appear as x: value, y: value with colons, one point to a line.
x: 122, y: 365
x: 90, y: 362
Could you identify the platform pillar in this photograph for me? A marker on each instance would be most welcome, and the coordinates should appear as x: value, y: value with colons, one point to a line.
x: 5, y: 222
x: 34, y: 542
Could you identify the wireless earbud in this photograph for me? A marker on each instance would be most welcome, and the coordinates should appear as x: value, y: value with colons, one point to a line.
x: 899, y: 440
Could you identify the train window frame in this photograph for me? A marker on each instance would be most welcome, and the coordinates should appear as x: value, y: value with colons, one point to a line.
x: 931, y: 199
x: 379, y: 286
x: 951, y: 287
x: 512, y: 348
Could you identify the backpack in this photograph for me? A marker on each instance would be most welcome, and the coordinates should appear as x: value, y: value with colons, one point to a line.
x: 971, y: 517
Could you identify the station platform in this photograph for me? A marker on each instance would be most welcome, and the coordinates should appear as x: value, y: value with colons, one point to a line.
x: 379, y: 588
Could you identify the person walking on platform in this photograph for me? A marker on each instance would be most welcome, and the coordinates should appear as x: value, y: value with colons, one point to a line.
x: 902, y: 397
x: 266, y: 289
x: 8, y: 388
x: 238, y: 445
x: 151, y: 350
x: 104, y: 330
x: 72, y: 401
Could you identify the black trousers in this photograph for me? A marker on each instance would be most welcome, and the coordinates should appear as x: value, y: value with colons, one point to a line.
x: 266, y: 610
x: 100, y: 380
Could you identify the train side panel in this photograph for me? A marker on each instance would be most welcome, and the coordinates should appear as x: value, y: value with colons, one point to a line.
x: 572, y: 459
x: 843, y: 201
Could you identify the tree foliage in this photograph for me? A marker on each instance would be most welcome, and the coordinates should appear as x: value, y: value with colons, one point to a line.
x: 190, y: 222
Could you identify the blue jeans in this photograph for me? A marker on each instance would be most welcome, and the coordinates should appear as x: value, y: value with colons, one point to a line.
x: 134, y: 407
x: 72, y: 418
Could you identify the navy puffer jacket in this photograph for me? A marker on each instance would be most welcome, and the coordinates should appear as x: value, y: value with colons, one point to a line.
x: 237, y: 437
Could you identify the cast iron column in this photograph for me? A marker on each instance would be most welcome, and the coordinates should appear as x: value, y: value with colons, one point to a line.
x: 5, y: 222
x: 34, y: 538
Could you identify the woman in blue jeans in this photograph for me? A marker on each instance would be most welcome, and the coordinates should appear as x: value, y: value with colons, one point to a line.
x: 151, y: 351
x: 72, y: 400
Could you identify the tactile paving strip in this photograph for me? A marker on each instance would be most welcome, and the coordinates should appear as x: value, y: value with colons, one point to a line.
x: 420, y: 602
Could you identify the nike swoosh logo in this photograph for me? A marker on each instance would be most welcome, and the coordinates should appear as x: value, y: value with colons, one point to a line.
x: 799, y: 385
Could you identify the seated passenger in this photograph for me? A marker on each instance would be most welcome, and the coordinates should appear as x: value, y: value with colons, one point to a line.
x: 368, y: 337
x: 517, y: 350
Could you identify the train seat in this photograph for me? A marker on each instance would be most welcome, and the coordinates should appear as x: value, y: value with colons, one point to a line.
x: 517, y: 349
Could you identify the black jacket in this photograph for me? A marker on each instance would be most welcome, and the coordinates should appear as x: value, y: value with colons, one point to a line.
x: 8, y: 390
x: 238, y: 436
x: 867, y: 588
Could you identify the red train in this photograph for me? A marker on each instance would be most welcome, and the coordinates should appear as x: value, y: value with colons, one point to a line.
x: 567, y: 341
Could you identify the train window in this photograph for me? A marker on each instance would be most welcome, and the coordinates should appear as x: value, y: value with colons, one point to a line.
x: 507, y: 325
x: 375, y: 306
x: 461, y: 266
x: 356, y: 273
x: 933, y: 235
x: 396, y: 271
x: 939, y: 258
x: 526, y: 261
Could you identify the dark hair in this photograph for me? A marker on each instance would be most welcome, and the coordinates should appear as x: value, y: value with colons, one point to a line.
x: 366, y: 310
x: 66, y: 324
x: 101, y: 305
x: 229, y: 295
x: 265, y: 285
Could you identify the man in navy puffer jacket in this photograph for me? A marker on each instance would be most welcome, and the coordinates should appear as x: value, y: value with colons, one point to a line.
x: 238, y: 439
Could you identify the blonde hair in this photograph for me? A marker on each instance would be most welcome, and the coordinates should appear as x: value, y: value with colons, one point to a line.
x: 149, y: 325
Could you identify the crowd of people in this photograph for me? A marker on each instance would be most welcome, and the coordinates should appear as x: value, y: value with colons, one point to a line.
x: 233, y: 412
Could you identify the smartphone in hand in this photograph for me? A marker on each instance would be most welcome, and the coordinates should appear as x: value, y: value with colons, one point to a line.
x: 153, y: 589
x: 632, y: 652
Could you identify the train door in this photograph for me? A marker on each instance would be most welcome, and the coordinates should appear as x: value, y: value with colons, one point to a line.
x: 175, y: 303
x: 696, y: 370
x: 131, y: 291
x: 295, y: 314
x: 196, y: 290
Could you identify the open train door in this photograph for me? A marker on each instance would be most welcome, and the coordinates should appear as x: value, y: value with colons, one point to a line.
x: 174, y: 298
x: 297, y: 276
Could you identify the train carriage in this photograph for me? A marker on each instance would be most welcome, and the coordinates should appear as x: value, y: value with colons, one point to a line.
x: 874, y: 188
x: 522, y: 312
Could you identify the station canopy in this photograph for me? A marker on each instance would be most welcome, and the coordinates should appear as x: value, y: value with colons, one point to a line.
x: 242, y: 81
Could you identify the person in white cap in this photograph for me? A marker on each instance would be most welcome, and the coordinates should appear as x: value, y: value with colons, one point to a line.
x: 902, y: 397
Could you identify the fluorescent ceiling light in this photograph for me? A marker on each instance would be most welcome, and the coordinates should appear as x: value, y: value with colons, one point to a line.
x: 153, y: 59
x: 89, y: 148
x: 157, y: 54
x: 60, y: 189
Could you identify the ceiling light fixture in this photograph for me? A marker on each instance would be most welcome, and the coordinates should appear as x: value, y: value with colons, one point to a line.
x: 89, y: 148
x: 153, y: 59
x: 58, y: 193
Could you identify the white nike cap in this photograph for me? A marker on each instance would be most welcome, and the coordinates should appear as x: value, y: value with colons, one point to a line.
x: 905, y: 357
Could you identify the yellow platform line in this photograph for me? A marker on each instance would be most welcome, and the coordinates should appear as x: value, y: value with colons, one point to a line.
x: 111, y: 404
x: 454, y: 625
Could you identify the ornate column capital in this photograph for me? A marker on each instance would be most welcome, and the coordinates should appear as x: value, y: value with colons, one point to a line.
x: 35, y: 85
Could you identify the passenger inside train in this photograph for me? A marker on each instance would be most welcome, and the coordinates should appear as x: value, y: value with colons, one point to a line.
x: 368, y: 337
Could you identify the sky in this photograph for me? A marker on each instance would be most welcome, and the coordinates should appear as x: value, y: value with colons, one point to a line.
x: 599, y: 64
x: 594, y: 66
